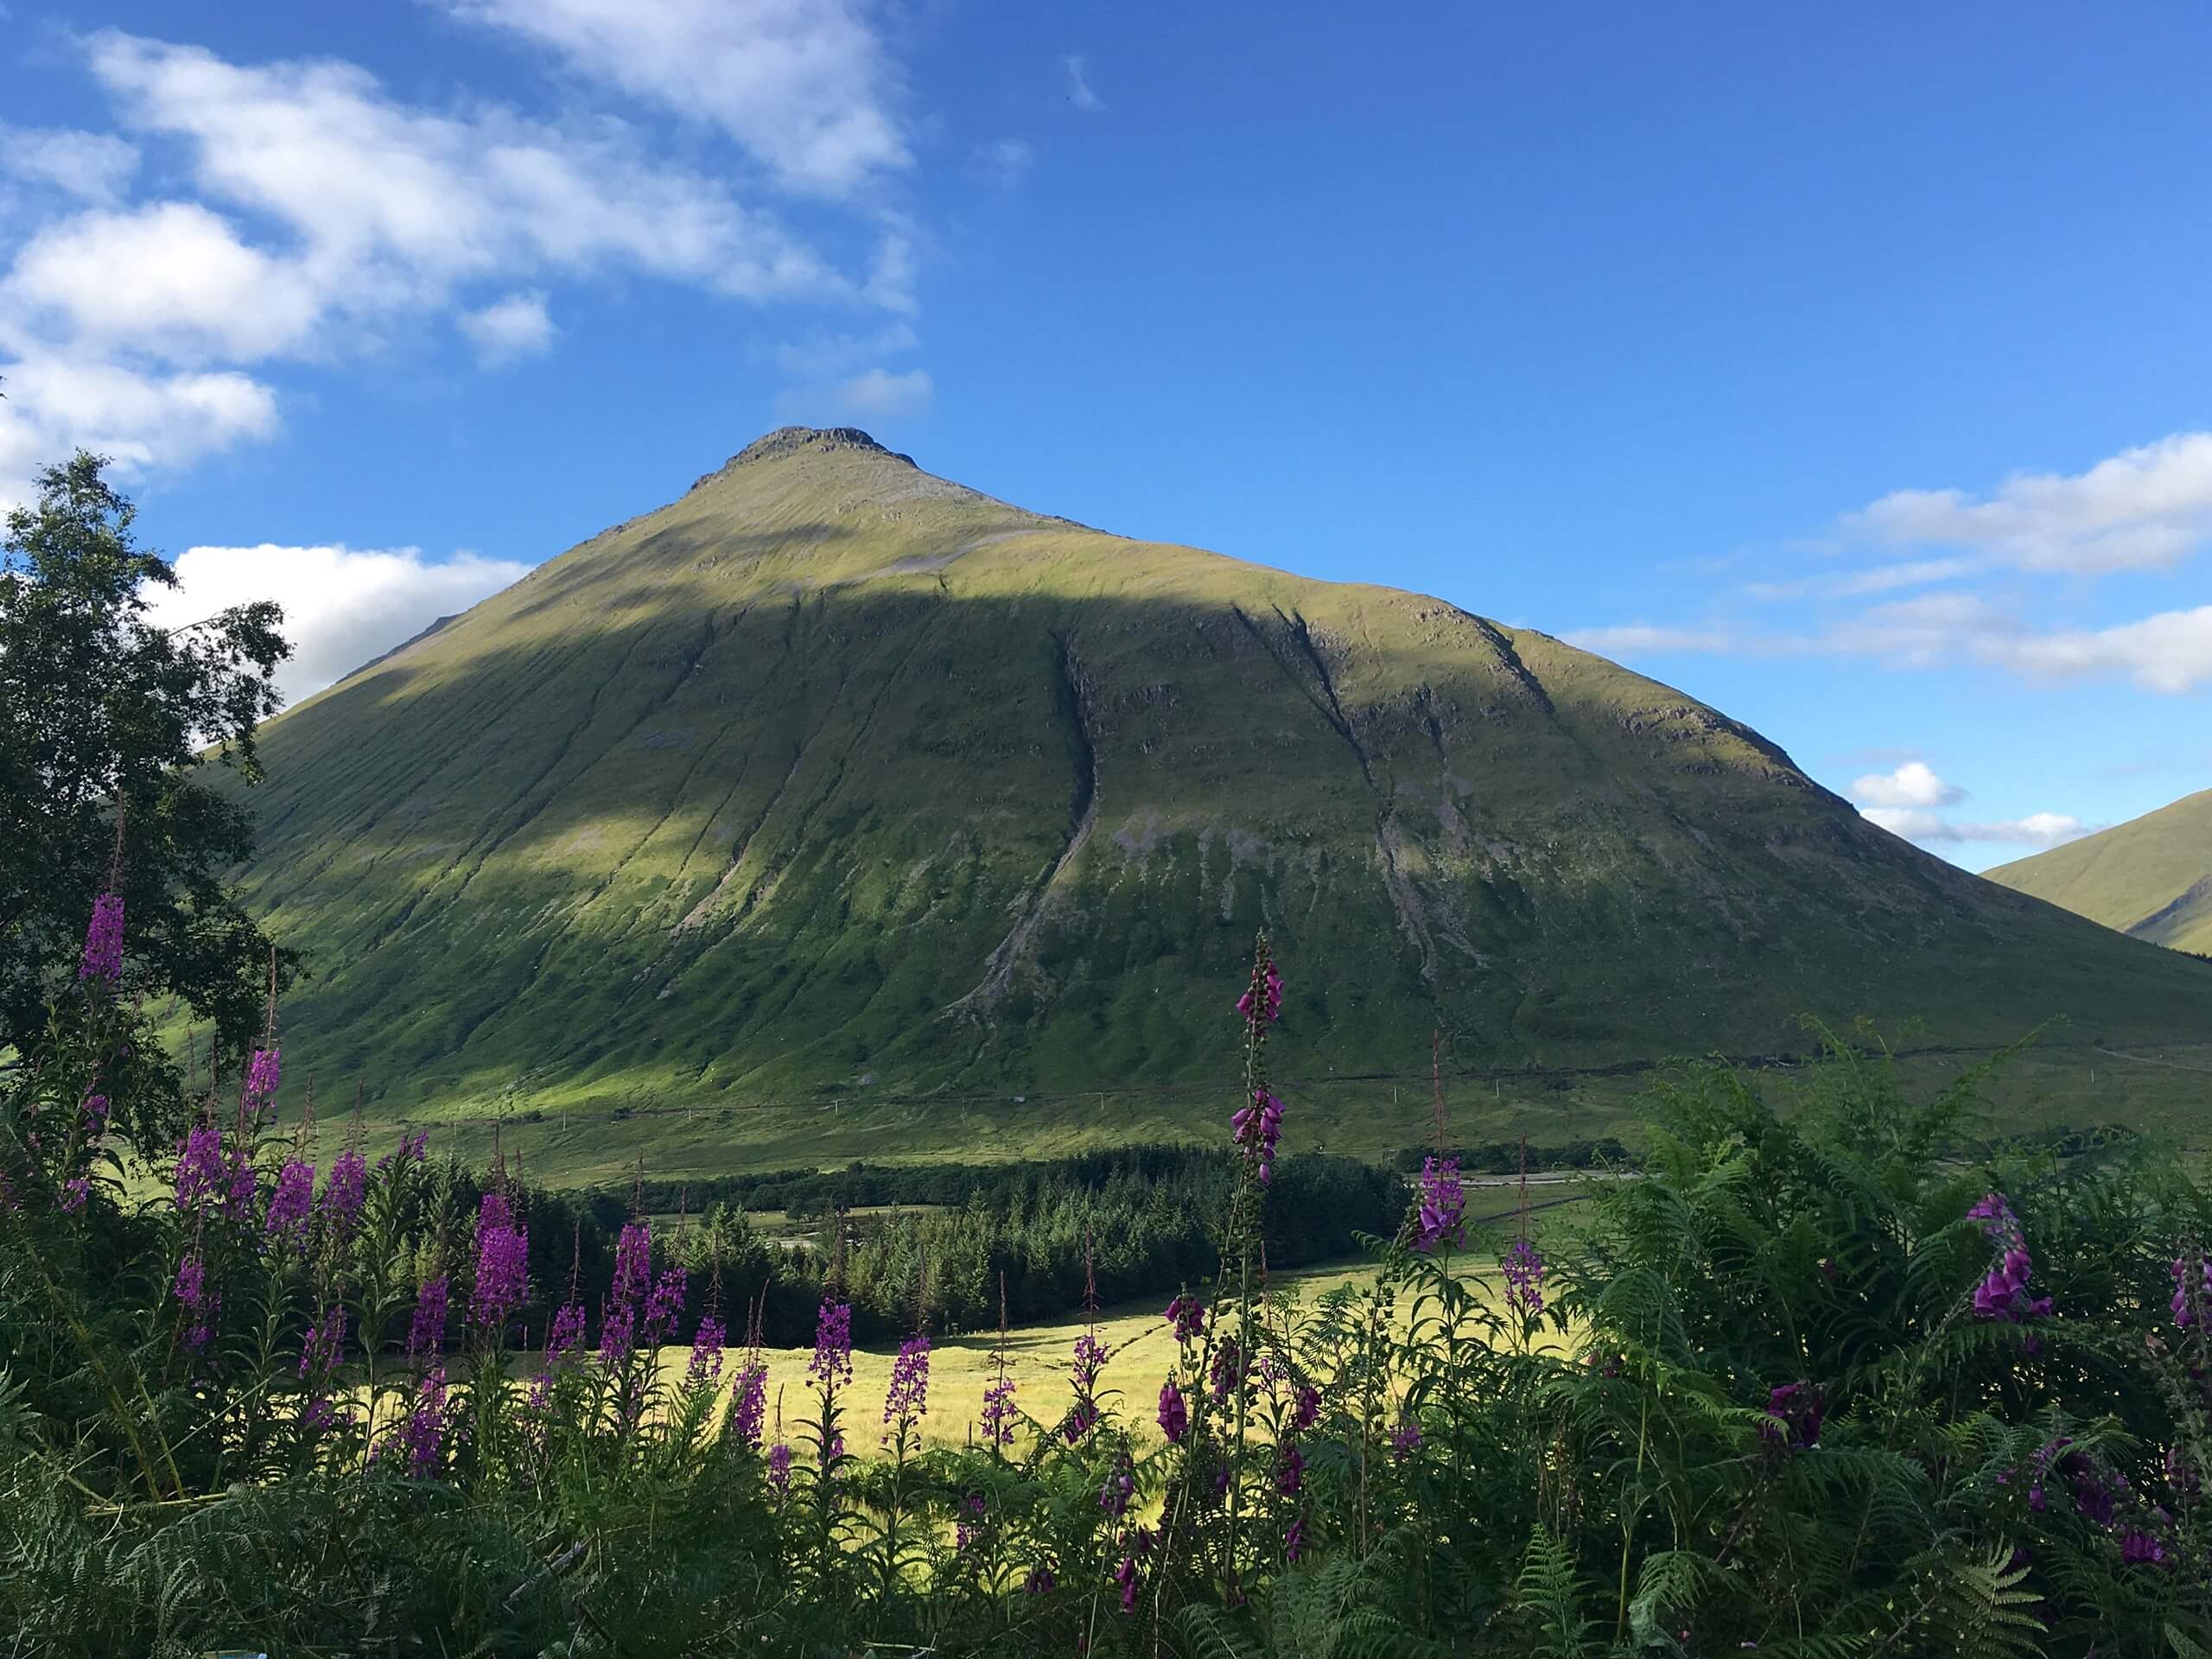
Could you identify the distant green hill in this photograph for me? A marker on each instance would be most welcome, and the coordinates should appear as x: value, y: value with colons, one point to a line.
x: 835, y: 780
x: 2151, y: 877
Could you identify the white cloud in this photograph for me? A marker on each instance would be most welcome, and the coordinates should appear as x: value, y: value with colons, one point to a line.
x: 1003, y: 162
x: 170, y: 280
x: 2142, y: 509
x: 2170, y: 652
x: 394, y: 205
x: 144, y: 421
x: 1912, y: 785
x: 92, y: 166
x: 804, y: 86
x: 342, y: 606
x: 509, y: 330
x: 1634, y: 637
x: 1079, y: 93
x: 2037, y: 830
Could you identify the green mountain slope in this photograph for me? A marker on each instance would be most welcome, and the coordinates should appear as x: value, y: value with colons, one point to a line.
x: 2151, y: 877
x: 834, y: 775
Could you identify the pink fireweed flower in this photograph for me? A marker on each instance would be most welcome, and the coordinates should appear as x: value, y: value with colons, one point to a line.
x: 561, y: 1343
x: 1443, y: 1205
x: 343, y: 1191
x: 907, y: 1397
x: 1256, y: 1129
x: 1174, y: 1415
x: 423, y: 1435
x: 96, y: 1109
x: 833, y: 1343
x: 1188, y: 1315
x: 633, y: 1262
x: 502, y: 1264
x: 666, y: 1305
x: 707, y: 1341
x: 190, y: 1289
x: 779, y: 1466
x: 1405, y: 1439
x: 2182, y: 1315
x: 103, y: 958
x: 318, y: 1359
x: 750, y: 1412
x: 1524, y: 1278
x: 75, y: 1192
x: 292, y: 1202
x: 201, y: 1170
x: 261, y: 1075
x: 426, y: 1332
x: 1090, y: 1359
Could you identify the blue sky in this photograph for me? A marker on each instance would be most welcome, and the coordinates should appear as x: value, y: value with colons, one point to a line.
x: 1849, y: 371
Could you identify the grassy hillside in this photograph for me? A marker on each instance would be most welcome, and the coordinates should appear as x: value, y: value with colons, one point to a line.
x: 2150, y: 878
x: 837, y: 790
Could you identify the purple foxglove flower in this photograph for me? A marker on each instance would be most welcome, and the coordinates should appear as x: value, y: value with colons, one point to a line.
x: 103, y: 957
x: 1293, y: 1541
x: 1174, y: 1415
x: 706, y: 1364
x: 1524, y: 1278
x: 1120, y: 1489
x: 2182, y: 1314
x: 999, y: 1411
x: 343, y: 1192
x: 1188, y: 1315
x: 292, y: 1202
x: 1082, y: 1417
x: 1126, y: 1576
x: 261, y: 1075
x: 833, y: 1343
x: 1229, y: 1371
x: 1794, y: 1413
x: 1307, y: 1409
x: 908, y: 1395
x: 1040, y: 1582
x: 1268, y: 1006
x: 426, y: 1332
x: 1443, y: 1203
x: 1290, y: 1469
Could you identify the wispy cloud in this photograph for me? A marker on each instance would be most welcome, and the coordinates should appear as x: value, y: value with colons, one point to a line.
x: 1079, y: 93
x: 1003, y: 162
x: 873, y: 394
x: 2037, y: 830
x: 91, y: 165
x: 805, y: 86
x: 1878, y: 579
x: 1640, y: 638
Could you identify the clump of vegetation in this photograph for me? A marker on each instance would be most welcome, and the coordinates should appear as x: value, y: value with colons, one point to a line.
x: 1841, y: 1381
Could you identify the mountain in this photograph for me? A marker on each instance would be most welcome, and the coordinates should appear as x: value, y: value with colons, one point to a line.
x: 833, y: 777
x: 2151, y: 877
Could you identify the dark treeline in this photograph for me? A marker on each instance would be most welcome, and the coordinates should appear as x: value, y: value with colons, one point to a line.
x: 1504, y: 1157
x: 1118, y: 1226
